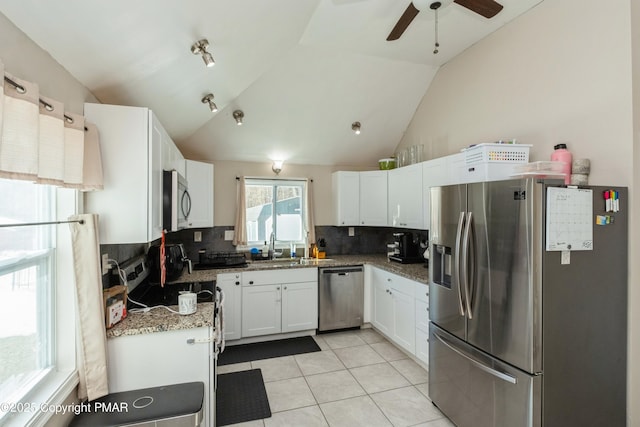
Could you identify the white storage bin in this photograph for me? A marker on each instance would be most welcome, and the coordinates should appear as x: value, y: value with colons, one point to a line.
x: 497, y: 153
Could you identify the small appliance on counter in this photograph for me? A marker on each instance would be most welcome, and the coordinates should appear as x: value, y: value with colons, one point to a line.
x: 211, y: 260
x: 175, y: 261
x: 406, y: 249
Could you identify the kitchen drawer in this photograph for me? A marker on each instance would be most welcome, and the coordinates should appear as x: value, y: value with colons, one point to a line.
x: 391, y: 280
x: 270, y: 277
x: 421, y: 291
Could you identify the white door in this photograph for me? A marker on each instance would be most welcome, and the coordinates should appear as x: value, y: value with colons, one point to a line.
x: 261, y: 310
x: 373, y: 198
x: 231, y: 286
x: 404, y: 324
x: 346, y: 197
x: 405, y: 197
x: 299, y: 306
x: 382, y: 316
x: 199, y: 175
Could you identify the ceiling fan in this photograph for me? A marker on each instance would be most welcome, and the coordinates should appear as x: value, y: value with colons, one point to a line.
x: 486, y: 8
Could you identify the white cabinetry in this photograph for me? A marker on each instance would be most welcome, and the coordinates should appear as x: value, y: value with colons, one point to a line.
x: 433, y: 175
x: 346, y: 198
x: 373, y: 198
x: 130, y: 206
x: 172, y: 158
x: 405, y: 197
x: 199, y: 176
x: 393, y: 311
x: 422, y: 321
x: 360, y: 198
x: 279, y: 301
x: 162, y: 358
x: 230, y: 283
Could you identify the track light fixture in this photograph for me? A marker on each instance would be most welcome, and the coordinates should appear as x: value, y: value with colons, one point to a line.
x: 238, y: 115
x: 355, y: 126
x: 200, y: 48
x: 208, y: 99
x: 277, y: 166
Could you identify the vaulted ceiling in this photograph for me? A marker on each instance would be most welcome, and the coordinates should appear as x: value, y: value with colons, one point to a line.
x: 302, y: 71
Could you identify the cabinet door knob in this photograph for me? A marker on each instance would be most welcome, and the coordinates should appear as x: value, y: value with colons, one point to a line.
x: 251, y: 282
x: 278, y: 288
x: 389, y: 279
x: 285, y: 288
x: 237, y: 283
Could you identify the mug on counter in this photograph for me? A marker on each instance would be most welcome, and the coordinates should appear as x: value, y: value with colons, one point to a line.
x: 187, y: 303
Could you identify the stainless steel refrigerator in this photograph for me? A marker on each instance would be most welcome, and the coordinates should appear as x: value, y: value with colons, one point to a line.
x: 523, y: 330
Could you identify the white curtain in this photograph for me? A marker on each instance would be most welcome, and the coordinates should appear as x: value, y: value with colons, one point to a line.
x: 20, y: 124
x: 40, y: 142
x: 311, y: 221
x: 51, y: 142
x: 240, y: 234
x: 92, y: 339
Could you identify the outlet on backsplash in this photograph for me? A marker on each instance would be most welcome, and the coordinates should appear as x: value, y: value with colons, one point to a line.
x: 197, y: 236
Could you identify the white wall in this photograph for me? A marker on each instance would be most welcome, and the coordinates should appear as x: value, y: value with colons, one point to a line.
x: 560, y: 73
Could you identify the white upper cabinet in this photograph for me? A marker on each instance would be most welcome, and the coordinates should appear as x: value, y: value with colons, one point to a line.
x: 346, y: 198
x: 172, y: 158
x: 373, y: 198
x: 360, y: 198
x: 433, y: 175
x: 405, y: 197
x: 199, y: 176
x: 130, y: 206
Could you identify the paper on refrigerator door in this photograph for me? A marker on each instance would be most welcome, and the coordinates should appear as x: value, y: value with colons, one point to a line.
x: 569, y: 222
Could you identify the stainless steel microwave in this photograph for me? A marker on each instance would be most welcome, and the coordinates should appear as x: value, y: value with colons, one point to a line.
x: 176, y: 201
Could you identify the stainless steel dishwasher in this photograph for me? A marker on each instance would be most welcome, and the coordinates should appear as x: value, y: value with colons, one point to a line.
x: 341, y: 299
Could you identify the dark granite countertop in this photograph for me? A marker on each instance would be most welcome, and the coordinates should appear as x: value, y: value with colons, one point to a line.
x: 159, y: 319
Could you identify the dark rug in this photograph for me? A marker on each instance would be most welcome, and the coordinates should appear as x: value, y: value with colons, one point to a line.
x: 267, y: 350
x: 241, y: 397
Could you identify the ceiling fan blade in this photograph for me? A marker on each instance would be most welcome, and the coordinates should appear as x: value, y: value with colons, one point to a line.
x: 486, y: 8
x: 404, y: 21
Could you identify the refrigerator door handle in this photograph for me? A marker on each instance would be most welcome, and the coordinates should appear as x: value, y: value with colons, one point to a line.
x: 456, y: 262
x: 503, y: 376
x: 468, y: 262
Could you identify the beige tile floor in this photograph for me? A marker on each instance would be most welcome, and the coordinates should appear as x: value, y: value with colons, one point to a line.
x: 358, y: 379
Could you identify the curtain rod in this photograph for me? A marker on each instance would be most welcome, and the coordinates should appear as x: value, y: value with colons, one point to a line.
x: 280, y: 179
x: 46, y: 105
x: 25, y: 224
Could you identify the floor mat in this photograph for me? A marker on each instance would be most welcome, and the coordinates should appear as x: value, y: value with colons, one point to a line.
x: 241, y: 397
x: 267, y: 350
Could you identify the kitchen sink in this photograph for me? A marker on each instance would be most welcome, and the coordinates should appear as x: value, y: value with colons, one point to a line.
x: 282, y: 263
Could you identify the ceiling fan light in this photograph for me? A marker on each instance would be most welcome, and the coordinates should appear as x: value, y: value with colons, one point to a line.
x: 421, y: 4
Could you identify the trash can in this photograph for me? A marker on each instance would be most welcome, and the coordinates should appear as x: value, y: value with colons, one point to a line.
x: 171, y: 405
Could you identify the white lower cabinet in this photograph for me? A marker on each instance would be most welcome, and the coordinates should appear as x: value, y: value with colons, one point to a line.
x: 162, y: 358
x: 230, y: 283
x: 281, y: 301
x: 393, y: 311
x: 299, y: 306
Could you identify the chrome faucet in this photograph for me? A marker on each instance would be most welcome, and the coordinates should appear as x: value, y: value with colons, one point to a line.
x: 272, y: 246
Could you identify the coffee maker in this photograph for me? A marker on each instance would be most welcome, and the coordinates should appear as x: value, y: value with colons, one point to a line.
x: 406, y: 249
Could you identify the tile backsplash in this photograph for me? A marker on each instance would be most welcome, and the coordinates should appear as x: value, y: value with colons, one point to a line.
x: 366, y: 240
